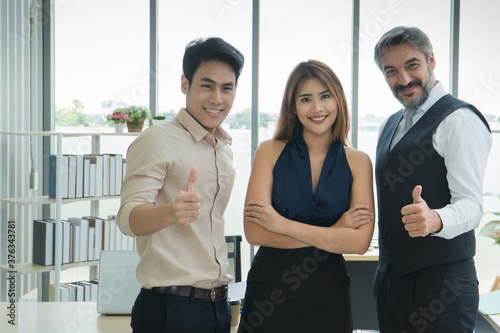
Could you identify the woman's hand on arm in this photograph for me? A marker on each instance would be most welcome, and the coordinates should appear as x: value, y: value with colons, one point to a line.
x: 354, y: 231
x: 265, y: 215
x: 355, y: 217
x: 260, y: 190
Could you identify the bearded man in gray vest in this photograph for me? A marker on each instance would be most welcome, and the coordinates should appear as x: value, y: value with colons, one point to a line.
x: 430, y: 163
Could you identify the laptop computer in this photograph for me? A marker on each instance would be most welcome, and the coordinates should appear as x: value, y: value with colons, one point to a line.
x: 118, y: 285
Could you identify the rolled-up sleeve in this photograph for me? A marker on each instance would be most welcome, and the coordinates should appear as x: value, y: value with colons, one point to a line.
x: 148, y: 159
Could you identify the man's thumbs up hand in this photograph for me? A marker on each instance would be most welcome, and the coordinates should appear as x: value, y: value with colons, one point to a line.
x: 419, y: 220
x: 186, y: 207
x: 417, y: 194
x: 191, y: 179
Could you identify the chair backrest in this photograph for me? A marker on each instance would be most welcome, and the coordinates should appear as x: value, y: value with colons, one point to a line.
x: 233, y: 244
x: 118, y: 285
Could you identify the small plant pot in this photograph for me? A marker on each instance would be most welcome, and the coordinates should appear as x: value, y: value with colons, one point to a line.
x: 119, y: 127
x: 133, y: 128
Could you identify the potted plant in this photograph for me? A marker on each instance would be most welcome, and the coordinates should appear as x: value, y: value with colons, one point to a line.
x: 492, y: 228
x: 119, y: 117
x: 158, y: 119
x: 136, y: 117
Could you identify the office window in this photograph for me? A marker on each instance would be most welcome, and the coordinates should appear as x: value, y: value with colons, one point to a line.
x: 291, y: 32
x: 101, y: 63
x: 102, y: 59
x: 376, y: 101
x: 181, y: 22
x: 479, y: 84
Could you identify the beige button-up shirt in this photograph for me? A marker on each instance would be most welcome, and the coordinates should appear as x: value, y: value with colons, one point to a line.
x: 158, y: 166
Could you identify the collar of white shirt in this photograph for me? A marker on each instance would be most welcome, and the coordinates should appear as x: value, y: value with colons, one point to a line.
x: 435, y: 95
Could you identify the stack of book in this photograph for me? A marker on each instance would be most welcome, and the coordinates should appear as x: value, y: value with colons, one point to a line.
x: 89, y: 175
x: 81, y: 291
x: 83, y: 239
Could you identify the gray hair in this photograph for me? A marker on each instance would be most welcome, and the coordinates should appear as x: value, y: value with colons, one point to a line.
x: 412, y: 36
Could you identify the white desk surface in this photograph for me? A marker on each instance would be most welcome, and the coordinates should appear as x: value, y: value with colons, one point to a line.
x: 50, y: 317
x: 53, y: 317
x: 370, y: 255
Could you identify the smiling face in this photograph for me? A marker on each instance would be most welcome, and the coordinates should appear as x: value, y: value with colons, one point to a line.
x: 408, y: 74
x: 210, y: 95
x: 316, y: 108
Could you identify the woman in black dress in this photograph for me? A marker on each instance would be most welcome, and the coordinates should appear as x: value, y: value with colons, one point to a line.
x: 309, y: 199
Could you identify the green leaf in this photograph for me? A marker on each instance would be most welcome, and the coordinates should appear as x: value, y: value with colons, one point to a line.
x: 494, y: 213
x: 491, y: 230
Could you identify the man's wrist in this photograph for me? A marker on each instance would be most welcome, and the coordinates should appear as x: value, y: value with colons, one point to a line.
x: 438, y: 225
x: 169, y: 218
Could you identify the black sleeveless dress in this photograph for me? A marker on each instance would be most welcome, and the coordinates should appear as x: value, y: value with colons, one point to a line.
x: 306, y: 289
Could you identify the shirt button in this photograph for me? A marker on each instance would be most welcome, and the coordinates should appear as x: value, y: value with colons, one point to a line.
x: 387, y: 230
x: 386, y: 163
x: 385, y: 184
x: 389, y: 251
x: 386, y: 208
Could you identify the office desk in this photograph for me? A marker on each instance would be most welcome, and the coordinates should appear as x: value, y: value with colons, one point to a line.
x: 51, y: 317
x: 371, y: 255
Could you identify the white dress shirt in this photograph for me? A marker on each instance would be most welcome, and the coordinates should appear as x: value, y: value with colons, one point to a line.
x: 405, y: 124
x: 464, y: 143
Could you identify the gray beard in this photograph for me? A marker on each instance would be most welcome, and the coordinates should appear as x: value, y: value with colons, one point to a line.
x: 415, y: 103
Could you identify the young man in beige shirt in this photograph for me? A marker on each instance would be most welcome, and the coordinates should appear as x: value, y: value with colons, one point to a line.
x: 178, y: 182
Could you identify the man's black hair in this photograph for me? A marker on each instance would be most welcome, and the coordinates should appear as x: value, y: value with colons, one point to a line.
x: 211, y: 48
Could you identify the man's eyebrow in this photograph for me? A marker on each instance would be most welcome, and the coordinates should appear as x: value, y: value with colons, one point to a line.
x: 209, y: 80
x: 406, y: 63
x: 412, y: 60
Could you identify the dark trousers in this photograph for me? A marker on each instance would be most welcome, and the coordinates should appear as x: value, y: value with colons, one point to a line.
x: 157, y: 312
x: 438, y: 299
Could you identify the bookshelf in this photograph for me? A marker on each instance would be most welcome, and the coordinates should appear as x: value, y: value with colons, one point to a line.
x: 19, y: 205
x: 30, y: 268
x: 44, y: 200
